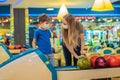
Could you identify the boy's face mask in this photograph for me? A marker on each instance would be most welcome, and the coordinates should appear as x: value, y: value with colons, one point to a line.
x: 44, y: 26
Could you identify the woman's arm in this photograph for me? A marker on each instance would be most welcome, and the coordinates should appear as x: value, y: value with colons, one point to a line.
x: 70, y: 48
x: 82, y: 42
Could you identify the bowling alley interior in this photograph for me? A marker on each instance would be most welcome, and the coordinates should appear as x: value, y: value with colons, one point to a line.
x: 59, y: 39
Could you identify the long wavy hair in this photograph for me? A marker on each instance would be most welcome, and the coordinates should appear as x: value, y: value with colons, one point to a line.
x: 71, y: 35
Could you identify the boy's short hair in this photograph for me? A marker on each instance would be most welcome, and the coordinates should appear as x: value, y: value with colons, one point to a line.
x: 43, y: 18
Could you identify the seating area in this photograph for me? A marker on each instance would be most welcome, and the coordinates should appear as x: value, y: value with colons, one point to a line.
x: 102, y: 50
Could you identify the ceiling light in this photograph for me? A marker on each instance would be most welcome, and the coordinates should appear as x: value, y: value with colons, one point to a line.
x: 102, y: 5
x: 93, y: 20
x: 86, y: 20
x: 50, y: 9
x: 99, y: 19
x: 117, y: 20
x: 63, y: 11
x: 80, y: 20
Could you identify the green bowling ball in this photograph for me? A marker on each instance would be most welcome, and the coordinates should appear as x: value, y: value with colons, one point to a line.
x: 83, y: 63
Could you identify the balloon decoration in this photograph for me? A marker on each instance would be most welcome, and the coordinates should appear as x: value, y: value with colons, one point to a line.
x: 26, y: 26
x: 82, y: 19
x: 118, y: 32
x: 4, y: 20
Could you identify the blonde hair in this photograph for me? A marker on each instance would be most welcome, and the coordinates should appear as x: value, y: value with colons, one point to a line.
x: 72, y: 34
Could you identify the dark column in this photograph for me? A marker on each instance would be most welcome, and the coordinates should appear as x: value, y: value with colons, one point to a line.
x: 19, y: 26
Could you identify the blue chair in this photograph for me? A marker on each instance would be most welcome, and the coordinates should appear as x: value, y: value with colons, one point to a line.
x: 117, y: 50
x: 97, y: 48
x: 91, y: 49
x: 107, y: 50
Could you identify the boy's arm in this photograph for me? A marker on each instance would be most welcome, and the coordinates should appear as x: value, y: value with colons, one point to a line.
x: 34, y: 43
x: 35, y: 39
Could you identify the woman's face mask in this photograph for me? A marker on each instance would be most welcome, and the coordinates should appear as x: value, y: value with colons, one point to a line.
x: 65, y: 26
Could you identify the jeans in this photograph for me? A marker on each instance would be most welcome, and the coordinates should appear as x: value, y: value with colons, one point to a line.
x: 51, y: 59
x: 68, y: 57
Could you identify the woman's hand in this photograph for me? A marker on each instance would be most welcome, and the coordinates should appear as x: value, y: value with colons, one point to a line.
x: 82, y: 53
x: 77, y: 57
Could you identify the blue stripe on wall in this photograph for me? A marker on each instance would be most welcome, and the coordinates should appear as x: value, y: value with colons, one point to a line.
x: 110, y: 15
x: 5, y: 11
x: 74, y: 11
x: 4, y: 14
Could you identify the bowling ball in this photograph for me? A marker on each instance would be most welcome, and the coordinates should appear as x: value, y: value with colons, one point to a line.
x: 22, y: 49
x: 107, y: 56
x: 117, y: 56
x: 83, y: 63
x: 92, y: 60
x: 17, y: 46
x: 11, y: 47
x: 101, y: 62
x: 113, y: 61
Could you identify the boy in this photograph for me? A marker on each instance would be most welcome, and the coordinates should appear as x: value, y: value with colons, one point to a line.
x: 42, y: 38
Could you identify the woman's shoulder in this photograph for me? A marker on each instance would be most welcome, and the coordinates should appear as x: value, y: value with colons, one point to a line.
x: 79, y: 23
x: 80, y: 26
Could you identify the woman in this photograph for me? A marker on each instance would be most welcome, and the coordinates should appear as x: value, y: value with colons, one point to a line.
x: 73, y: 39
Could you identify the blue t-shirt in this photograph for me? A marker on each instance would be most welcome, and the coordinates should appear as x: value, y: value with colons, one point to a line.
x: 43, y: 40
